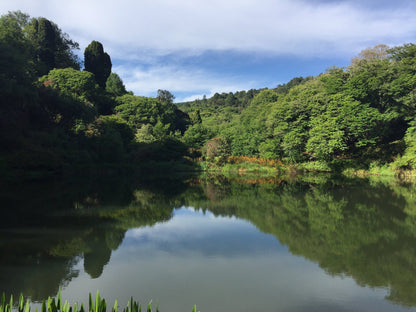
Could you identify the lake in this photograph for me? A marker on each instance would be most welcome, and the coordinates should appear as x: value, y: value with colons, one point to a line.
x: 303, y: 243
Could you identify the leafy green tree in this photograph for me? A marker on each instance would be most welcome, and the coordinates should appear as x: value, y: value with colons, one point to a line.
x: 70, y: 94
x: 294, y: 142
x: 165, y: 96
x: 81, y: 85
x: 334, y: 80
x: 326, y: 137
x: 230, y: 100
x: 366, y: 82
x: 408, y: 159
x: 197, y: 135
x: 195, y: 117
x: 284, y: 88
x: 115, y: 85
x: 270, y: 148
x: 31, y: 47
x: 345, y: 126
x: 161, y: 131
x: 118, y: 124
x: 66, y: 110
x: 403, y: 87
x: 180, y: 120
x: 73, y: 82
x: 98, y: 62
x: 386, y: 83
x: 149, y: 133
x: 18, y: 95
x: 289, y: 117
x: 138, y: 111
x: 111, y: 138
x: 251, y: 128
x: 16, y: 66
x: 145, y: 134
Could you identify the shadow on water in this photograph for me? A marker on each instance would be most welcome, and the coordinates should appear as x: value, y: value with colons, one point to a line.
x: 357, y: 228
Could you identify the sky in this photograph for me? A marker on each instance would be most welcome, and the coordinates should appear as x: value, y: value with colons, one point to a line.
x: 199, y: 47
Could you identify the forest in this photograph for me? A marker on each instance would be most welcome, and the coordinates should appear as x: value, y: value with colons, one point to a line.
x: 59, y: 112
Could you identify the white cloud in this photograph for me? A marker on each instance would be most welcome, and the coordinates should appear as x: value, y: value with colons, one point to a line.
x: 176, y: 79
x: 185, y: 222
x: 141, y: 32
x: 277, y: 26
x: 194, y: 97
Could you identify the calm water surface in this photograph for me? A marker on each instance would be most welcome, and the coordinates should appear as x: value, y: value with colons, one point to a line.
x: 304, y: 244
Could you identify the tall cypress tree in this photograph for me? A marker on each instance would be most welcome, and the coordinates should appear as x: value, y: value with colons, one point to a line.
x: 98, y: 62
x: 46, y: 39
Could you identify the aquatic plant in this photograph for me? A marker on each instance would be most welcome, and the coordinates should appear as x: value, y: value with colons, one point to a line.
x: 55, y: 305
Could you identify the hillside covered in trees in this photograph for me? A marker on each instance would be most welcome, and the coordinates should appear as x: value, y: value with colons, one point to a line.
x: 53, y: 115
x: 360, y: 115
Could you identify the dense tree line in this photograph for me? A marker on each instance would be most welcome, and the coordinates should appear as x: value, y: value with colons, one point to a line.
x: 55, y: 114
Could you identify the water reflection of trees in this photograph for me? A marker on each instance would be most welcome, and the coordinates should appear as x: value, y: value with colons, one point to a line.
x: 48, y: 227
x: 366, y: 231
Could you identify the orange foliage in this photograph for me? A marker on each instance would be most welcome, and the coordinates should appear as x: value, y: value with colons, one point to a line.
x: 255, y: 160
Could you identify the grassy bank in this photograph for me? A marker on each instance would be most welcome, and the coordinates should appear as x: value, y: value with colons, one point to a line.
x: 389, y: 171
x: 253, y: 166
x: 231, y: 166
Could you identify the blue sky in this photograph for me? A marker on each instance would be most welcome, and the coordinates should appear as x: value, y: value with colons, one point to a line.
x: 197, y: 47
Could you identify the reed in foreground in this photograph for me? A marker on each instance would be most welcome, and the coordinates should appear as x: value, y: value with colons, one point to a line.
x: 56, y: 305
